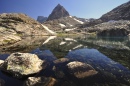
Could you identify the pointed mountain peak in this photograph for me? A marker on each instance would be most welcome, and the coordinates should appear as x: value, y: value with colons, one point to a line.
x: 58, y: 12
x: 58, y: 5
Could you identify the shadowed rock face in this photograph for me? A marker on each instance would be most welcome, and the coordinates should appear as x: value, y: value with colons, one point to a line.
x: 112, y: 28
x: 114, y: 32
x: 58, y: 12
x: 120, y: 12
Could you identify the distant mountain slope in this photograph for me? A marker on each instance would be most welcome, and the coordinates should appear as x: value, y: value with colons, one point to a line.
x: 58, y: 12
x: 120, y: 12
x: 112, y: 28
x: 64, y: 24
x: 41, y: 19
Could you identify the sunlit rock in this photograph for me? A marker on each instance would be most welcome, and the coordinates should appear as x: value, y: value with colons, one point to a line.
x: 1, y: 63
x: 22, y: 64
x: 61, y: 61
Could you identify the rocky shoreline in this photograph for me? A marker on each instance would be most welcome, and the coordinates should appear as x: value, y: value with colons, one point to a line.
x: 21, y: 65
x: 14, y: 26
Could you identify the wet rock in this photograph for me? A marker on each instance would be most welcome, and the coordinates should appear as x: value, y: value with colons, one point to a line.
x: 2, y: 82
x: 58, y: 72
x: 80, y: 69
x: 61, y: 61
x: 40, y: 81
x: 66, y: 83
x: 22, y: 64
x: 60, y: 66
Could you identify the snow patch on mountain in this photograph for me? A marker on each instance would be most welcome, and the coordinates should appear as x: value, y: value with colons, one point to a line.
x: 70, y: 16
x: 70, y: 24
x: 78, y: 21
x: 46, y: 28
x: 62, y: 43
x: 70, y: 29
x: 62, y: 25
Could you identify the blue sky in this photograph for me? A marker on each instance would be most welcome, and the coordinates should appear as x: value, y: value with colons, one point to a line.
x: 79, y: 8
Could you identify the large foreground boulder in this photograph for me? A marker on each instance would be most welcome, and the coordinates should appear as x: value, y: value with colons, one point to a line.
x: 22, y: 64
x: 40, y: 81
x: 80, y: 69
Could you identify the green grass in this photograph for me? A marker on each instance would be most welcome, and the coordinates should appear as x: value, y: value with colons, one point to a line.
x: 67, y: 34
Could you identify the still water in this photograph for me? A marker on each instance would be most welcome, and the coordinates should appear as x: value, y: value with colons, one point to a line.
x: 109, y: 56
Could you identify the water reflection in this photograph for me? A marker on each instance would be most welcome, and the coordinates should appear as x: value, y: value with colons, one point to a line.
x: 109, y: 56
x: 110, y: 71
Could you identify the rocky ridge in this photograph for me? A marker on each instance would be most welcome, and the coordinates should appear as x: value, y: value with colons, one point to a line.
x: 119, y: 13
x: 64, y: 24
x: 15, y: 25
x: 20, y: 24
x: 112, y: 28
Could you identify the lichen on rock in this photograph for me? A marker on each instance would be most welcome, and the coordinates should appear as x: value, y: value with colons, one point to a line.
x: 22, y: 64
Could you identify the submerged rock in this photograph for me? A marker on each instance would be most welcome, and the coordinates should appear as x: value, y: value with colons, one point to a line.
x: 22, y: 64
x: 61, y: 61
x: 2, y: 82
x: 80, y: 69
x: 40, y: 81
x: 60, y: 66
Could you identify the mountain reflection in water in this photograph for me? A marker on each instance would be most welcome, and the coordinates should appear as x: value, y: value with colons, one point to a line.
x: 109, y: 56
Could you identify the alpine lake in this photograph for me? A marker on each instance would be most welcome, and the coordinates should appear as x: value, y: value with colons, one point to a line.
x: 110, y: 56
